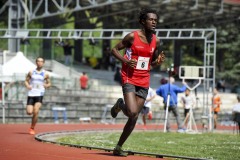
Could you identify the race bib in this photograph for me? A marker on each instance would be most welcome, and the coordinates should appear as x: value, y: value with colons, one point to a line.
x: 34, y: 86
x: 142, y: 63
x: 37, y: 86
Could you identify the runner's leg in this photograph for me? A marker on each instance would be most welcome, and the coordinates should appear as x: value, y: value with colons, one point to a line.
x: 133, y: 105
x: 35, y: 114
x: 29, y: 109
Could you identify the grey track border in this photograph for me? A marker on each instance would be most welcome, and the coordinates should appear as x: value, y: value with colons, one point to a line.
x: 40, y: 137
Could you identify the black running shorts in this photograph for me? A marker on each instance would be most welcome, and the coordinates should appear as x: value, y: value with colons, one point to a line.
x: 33, y: 100
x: 139, y: 91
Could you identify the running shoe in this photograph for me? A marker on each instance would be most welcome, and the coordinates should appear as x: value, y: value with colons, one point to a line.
x: 119, y: 152
x: 150, y: 116
x: 115, y: 109
x: 31, y: 131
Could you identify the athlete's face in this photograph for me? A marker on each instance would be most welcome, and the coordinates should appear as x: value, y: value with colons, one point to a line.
x: 151, y: 22
x: 40, y: 62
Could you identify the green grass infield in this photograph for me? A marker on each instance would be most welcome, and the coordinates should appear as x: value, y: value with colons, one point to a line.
x: 221, y: 146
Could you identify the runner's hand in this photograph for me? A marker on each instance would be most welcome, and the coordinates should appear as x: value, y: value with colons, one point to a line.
x: 45, y: 85
x: 29, y: 87
x: 161, y: 58
x: 132, y: 63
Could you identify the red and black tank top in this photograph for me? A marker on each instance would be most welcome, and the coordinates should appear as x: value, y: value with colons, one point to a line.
x: 142, y: 52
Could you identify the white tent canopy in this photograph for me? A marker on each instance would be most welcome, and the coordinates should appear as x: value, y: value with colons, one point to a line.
x: 17, y: 68
x: 19, y: 64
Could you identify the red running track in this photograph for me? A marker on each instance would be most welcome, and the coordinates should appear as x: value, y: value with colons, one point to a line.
x: 17, y: 144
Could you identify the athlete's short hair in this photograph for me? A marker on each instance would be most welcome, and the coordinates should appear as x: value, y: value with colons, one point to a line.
x: 39, y: 58
x: 143, y: 14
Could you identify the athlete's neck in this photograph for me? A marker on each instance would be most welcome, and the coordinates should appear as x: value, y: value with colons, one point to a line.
x: 39, y: 69
x: 148, y: 34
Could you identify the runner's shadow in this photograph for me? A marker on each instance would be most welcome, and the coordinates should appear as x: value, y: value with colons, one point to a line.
x: 107, y: 154
x: 22, y: 133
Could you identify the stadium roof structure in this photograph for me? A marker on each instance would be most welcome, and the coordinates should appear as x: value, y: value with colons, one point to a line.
x: 123, y: 13
x: 174, y: 13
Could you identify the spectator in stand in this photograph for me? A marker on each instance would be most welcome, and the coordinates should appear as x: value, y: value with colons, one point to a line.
x: 84, y: 81
x: 67, y: 48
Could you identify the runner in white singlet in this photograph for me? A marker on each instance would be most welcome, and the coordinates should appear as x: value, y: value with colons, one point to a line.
x: 36, y: 82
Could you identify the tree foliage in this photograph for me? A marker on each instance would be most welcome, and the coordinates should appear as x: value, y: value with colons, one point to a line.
x: 228, y: 42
